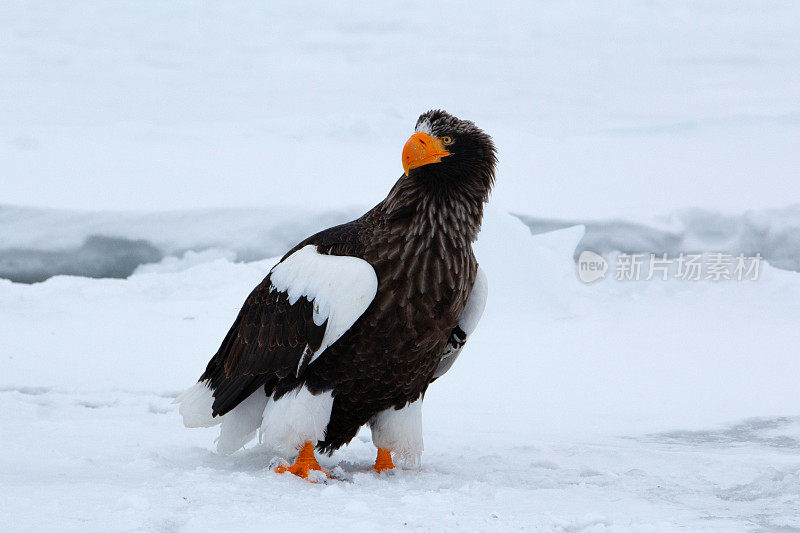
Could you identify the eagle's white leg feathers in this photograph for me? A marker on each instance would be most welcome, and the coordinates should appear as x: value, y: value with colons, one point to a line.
x: 400, y: 430
x: 295, y: 418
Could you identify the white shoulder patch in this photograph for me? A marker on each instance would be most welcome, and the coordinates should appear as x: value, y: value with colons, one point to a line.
x: 340, y: 287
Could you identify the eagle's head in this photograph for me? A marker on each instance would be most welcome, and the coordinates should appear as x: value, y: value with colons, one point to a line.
x: 446, y: 152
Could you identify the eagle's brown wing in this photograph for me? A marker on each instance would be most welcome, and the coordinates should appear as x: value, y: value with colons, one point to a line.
x: 267, y: 339
x: 308, y: 300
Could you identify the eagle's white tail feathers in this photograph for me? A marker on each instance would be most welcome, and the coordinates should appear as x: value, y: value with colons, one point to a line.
x: 195, y: 406
x: 239, y: 426
x: 297, y: 417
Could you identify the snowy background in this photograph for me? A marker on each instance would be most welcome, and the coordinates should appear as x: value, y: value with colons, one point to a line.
x: 180, y: 147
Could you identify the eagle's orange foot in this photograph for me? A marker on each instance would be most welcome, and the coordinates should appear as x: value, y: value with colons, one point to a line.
x: 304, y: 465
x: 383, y: 461
x: 301, y: 470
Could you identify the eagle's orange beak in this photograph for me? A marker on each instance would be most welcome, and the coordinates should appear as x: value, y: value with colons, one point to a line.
x: 422, y: 149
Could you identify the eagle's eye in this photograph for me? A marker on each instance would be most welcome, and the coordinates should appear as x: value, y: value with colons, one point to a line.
x: 447, y: 140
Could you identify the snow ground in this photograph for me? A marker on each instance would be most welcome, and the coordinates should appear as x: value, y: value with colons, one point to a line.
x: 636, y: 406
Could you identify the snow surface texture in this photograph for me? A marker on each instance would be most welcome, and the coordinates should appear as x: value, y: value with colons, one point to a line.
x: 635, y: 406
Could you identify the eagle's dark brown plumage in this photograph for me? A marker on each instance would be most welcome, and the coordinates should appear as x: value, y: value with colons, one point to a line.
x: 418, y: 241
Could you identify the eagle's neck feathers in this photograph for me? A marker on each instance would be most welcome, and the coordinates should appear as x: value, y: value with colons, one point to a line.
x: 423, y: 209
x: 422, y: 251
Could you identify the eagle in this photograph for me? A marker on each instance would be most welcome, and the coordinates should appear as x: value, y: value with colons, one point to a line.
x: 354, y: 323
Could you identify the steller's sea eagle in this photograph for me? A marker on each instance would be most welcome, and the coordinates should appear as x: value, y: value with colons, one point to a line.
x: 353, y: 324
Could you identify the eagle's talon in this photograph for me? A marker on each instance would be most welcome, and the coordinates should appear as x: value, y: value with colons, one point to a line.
x: 303, y: 471
x: 305, y: 466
